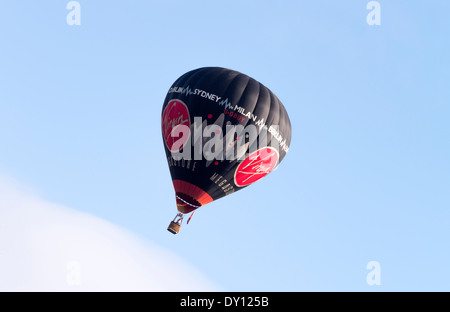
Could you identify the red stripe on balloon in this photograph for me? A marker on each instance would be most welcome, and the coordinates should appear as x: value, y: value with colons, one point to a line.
x: 195, y: 198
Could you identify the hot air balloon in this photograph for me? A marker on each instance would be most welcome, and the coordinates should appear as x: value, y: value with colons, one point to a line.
x: 222, y: 131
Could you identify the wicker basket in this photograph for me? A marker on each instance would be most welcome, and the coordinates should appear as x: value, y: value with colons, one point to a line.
x: 174, y: 227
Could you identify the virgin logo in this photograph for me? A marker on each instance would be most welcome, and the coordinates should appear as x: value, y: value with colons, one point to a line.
x: 175, y: 114
x: 256, y: 166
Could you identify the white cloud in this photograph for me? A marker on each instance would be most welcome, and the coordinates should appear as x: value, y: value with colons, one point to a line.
x: 46, y: 247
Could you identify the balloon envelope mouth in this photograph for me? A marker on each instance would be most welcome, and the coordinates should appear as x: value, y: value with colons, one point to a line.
x: 186, y: 203
x: 189, y: 196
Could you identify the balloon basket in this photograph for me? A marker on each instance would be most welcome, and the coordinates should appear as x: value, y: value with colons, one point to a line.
x: 175, y: 225
x: 174, y: 228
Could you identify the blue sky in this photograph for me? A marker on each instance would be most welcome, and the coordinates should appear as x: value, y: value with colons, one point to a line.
x: 367, y: 176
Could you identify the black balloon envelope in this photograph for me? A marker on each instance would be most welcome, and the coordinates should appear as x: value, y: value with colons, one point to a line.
x: 222, y: 131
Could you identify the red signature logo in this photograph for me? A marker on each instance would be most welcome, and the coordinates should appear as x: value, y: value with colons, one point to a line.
x: 175, y: 114
x: 256, y: 166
